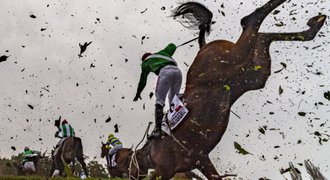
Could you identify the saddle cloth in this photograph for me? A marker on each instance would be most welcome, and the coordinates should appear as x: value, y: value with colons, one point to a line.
x: 174, y: 116
x: 113, y: 160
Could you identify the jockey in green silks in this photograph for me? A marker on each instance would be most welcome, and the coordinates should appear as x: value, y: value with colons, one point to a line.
x: 66, y: 131
x: 27, y: 159
x: 169, y: 80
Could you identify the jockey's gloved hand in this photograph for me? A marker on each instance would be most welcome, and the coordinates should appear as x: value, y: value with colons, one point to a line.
x: 56, y: 134
x: 137, y: 97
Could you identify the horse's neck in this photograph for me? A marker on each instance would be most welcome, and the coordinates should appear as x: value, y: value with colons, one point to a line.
x: 143, y: 156
x: 107, y: 158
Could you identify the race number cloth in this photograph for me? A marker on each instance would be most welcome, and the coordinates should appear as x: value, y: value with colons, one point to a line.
x: 175, y: 115
x: 113, y: 160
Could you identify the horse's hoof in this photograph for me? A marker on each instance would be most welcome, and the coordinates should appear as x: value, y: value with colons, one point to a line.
x: 56, y: 173
x: 316, y: 22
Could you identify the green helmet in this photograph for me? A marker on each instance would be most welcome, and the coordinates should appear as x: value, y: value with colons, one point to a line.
x: 26, y: 148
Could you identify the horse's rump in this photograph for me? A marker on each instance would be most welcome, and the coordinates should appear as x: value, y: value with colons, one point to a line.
x: 29, y: 166
x: 71, y: 147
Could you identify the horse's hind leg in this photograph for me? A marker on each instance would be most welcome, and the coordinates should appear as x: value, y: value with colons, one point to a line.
x: 256, y: 18
x: 72, y: 164
x: 314, y: 23
x: 83, y: 164
x: 251, y: 24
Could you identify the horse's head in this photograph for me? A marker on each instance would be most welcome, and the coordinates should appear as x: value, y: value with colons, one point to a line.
x: 123, y: 157
x: 104, y: 150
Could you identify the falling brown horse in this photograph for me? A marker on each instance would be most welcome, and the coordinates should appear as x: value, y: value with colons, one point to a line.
x: 117, y: 171
x: 221, y: 72
x: 70, y: 150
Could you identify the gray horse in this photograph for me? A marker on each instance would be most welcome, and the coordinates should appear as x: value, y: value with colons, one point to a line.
x: 70, y: 150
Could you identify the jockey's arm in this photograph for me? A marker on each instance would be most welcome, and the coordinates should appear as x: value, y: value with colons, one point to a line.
x: 169, y: 49
x: 108, y: 145
x: 57, y: 134
x: 142, y: 82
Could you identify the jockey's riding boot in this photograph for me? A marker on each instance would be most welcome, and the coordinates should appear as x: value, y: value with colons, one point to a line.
x: 158, y: 120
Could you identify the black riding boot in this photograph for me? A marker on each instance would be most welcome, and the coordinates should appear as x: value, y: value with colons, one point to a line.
x: 158, y: 120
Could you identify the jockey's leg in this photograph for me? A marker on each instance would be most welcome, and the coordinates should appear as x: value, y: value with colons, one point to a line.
x: 176, y: 84
x: 162, y: 88
x: 163, y: 85
x: 159, y: 113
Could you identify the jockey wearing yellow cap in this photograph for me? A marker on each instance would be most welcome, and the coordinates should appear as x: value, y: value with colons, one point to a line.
x: 115, y: 143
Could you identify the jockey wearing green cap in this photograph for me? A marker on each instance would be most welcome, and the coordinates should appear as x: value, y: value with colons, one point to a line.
x: 27, y: 159
x: 66, y: 131
x: 169, y: 80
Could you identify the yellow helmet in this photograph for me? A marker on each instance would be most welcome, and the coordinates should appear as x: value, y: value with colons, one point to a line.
x: 110, y: 136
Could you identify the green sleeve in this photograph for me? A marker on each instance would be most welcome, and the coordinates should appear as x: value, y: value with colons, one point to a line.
x: 142, y: 82
x: 169, y: 49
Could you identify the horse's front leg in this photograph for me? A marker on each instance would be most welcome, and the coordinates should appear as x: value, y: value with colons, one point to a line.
x: 162, y: 173
x: 208, y: 169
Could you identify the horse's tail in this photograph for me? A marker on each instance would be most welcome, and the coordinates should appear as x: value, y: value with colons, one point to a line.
x: 195, y: 15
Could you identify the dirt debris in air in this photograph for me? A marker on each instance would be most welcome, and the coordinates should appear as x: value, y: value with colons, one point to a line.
x: 3, y: 58
x: 83, y: 48
x: 108, y: 119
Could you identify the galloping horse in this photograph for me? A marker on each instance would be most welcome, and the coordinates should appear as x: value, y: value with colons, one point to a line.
x: 111, y: 170
x: 221, y: 72
x: 70, y: 150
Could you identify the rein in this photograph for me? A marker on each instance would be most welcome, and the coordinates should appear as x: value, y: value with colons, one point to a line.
x: 187, y: 42
x: 173, y: 137
x: 134, y: 158
x: 179, y: 143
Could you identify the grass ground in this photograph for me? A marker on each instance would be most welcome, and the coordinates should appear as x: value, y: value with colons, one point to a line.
x: 43, y: 178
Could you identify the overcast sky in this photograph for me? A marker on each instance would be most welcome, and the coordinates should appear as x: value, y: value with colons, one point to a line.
x: 43, y: 70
